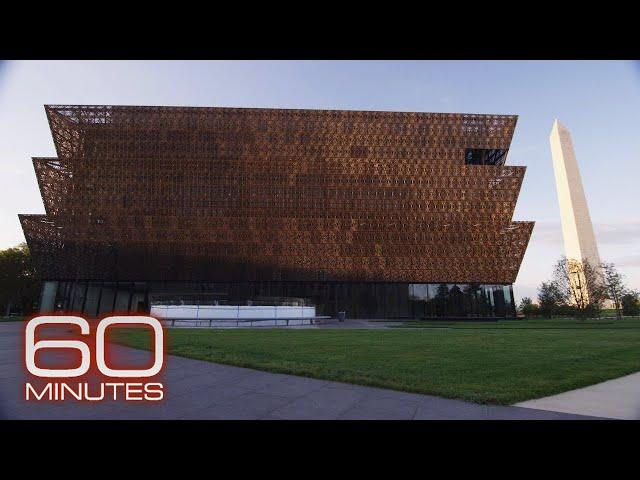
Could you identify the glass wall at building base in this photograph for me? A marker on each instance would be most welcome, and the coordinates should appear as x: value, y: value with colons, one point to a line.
x: 358, y: 299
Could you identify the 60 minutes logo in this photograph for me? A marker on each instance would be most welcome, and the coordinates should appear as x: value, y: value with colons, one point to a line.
x: 60, y: 390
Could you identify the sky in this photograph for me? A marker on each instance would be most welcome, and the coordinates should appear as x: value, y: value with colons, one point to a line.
x: 598, y: 101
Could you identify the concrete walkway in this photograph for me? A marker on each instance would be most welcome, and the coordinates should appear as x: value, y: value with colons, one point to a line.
x: 325, y: 324
x: 618, y: 398
x: 203, y: 390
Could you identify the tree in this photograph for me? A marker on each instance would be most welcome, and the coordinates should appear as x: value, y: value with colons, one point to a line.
x: 630, y: 302
x: 579, y: 285
x: 528, y: 308
x: 550, y: 299
x: 614, y: 285
x: 525, y: 303
x: 19, y: 286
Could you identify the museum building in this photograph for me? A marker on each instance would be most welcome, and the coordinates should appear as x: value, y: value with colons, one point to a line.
x: 378, y: 214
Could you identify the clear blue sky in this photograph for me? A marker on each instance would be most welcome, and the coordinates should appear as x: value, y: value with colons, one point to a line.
x: 598, y: 101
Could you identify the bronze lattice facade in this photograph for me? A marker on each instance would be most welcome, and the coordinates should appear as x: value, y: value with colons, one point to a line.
x: 205, y: 200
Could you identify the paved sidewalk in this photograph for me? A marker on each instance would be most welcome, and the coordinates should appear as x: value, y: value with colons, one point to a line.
x: 203, y: 390
x: 618, y: 398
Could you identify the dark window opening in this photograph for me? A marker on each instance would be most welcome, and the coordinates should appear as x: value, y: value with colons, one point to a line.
x: 485, y: 156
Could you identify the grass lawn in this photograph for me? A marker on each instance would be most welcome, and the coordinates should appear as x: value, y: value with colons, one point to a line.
x: 534, y: 324
x: 11, y: 319
x: 489, y: 362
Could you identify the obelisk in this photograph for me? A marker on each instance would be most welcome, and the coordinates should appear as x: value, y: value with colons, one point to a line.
x: 577, y: 229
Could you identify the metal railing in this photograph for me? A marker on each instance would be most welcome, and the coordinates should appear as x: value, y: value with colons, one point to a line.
x: 226, y: 322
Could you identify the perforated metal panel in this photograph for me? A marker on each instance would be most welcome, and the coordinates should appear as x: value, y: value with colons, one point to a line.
x: 230, y: 194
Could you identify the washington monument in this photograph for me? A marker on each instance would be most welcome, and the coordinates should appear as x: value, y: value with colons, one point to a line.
x: 577, y: 230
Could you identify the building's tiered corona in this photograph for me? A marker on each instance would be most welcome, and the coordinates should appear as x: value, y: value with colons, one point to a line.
x: 379, y: 213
